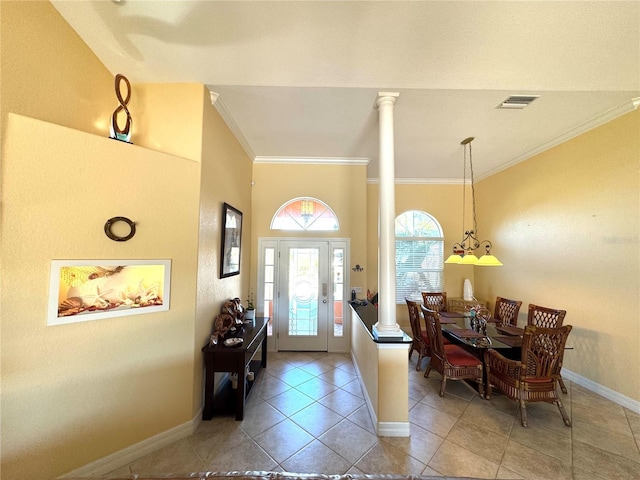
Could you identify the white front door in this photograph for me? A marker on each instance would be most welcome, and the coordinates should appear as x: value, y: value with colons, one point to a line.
x: 303, y: 295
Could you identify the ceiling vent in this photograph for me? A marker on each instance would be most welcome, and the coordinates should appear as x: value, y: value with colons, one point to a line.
x: 517, y: 101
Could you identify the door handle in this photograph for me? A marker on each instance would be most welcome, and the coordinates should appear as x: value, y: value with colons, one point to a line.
x: 324, y: 291
x: 324, y: 301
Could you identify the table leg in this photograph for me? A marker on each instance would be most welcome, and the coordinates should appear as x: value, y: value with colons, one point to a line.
x: 241, y: 390
x: 264, y: 351
x: 207, y: 412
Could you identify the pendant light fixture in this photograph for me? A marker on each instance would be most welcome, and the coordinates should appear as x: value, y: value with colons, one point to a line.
x: 463, y: 252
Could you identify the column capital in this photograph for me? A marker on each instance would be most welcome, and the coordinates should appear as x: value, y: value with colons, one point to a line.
x: 386, y: 97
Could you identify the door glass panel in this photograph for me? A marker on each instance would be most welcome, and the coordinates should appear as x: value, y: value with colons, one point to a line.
x: 303, y: 291
x: 269, y: 261
x: 268, y: 273
x: 338, y: 289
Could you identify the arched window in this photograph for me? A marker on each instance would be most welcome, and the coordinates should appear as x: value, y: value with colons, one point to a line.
x: 305, y: 213
x: 419, y: 255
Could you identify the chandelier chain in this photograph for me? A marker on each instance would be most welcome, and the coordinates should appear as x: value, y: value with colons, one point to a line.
x: 464, y: 189
x: 463, y: 252
x: 473, y: 192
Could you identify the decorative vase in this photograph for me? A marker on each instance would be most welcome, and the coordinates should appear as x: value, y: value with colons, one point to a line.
x: 468, y: 290
x: 249, y: 314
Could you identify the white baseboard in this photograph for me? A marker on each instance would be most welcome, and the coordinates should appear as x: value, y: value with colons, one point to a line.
x: 386, y: 429
x: 393, y: 429
x: 127, y: 455
x: 612, y: 395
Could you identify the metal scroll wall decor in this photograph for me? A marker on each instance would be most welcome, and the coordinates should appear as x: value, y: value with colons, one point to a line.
x: 115, y: 132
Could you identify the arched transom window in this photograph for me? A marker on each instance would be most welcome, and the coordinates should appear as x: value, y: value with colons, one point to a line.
x: 419, y: 255
x: 305, y: 213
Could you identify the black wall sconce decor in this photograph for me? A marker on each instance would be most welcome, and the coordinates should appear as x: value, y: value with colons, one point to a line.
x: 358, y: 268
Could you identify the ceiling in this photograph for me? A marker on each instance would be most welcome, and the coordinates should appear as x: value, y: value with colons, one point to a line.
x: 298, y: 80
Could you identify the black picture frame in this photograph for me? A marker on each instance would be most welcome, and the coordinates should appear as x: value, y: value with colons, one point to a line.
x: 231, y: 241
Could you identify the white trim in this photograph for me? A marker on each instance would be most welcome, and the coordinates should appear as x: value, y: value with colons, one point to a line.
x: 393, y: 429
x: 127, y: 455
x: 224, y: 112
x: 314, y: 160
x: 334, y: 344
x: 584, y: 127
x: 421, y: 181
x: 606, y: 392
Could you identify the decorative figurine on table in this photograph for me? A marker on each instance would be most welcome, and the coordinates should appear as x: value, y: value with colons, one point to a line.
x: 234, y: 308
x: 222, y: 324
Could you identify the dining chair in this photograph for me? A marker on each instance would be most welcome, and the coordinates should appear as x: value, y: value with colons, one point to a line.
x: 548, y: 318
x: 535, y: 376
x: 435, y: 301
x: 545, y: 317
x: 451, y: 361
x: 420, y: 341
x: 506, y: 311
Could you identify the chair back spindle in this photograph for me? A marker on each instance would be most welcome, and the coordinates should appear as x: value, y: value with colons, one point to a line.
x: 506, y: 311
x: 435, y: 301
x: 545, y: 317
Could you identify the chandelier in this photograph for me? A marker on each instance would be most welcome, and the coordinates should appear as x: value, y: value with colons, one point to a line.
x: 463, y: 252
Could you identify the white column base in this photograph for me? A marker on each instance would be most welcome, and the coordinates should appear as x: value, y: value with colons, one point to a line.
x: 387, y: 331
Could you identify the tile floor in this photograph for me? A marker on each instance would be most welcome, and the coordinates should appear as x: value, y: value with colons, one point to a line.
x: 307, y: 413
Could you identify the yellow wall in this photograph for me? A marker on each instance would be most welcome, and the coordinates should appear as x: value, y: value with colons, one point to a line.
x: 365, y: 353
x: 49, y: 73
x: 226, y: 177
x: 168, y: 118
x: 444, y: 203
x: 566, y: 225
x: 342, y: 187
x: 74, y: 393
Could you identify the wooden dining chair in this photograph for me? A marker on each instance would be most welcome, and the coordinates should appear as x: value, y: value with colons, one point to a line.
x: 506, y: 311
x: 545, y: 317
x: 535, y: 376
x: 435, y: 301
x: 420, y: 342
x: 548, y: 318
x: 451, y: 361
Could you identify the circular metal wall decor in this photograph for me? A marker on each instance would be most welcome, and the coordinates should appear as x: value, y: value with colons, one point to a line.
x: 113, y: 236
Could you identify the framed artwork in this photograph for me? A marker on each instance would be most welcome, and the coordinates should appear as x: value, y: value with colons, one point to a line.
x: 231, y: 241
x: 83, y: 290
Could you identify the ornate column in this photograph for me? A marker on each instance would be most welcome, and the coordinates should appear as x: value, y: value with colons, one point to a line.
x: 387, y: 325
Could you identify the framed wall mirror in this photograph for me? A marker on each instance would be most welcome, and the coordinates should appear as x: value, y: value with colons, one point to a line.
x: 231, y: 241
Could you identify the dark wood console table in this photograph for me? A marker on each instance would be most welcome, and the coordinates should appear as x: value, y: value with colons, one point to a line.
x: 219, y: 358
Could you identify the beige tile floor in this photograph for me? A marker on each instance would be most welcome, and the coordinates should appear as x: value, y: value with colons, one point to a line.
x: 307, y: 414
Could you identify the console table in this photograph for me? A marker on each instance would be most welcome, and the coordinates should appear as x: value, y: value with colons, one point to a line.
x: 220, y: 358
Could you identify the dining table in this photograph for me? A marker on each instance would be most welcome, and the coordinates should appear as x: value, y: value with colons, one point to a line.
x: 460, y: 329
x: 507, y: 339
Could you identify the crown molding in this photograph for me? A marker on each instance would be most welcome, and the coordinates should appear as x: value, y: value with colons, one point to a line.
x: 422, y: 181
x: 224, y: 112
x: 314, y: 160
x: 584, y: 127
